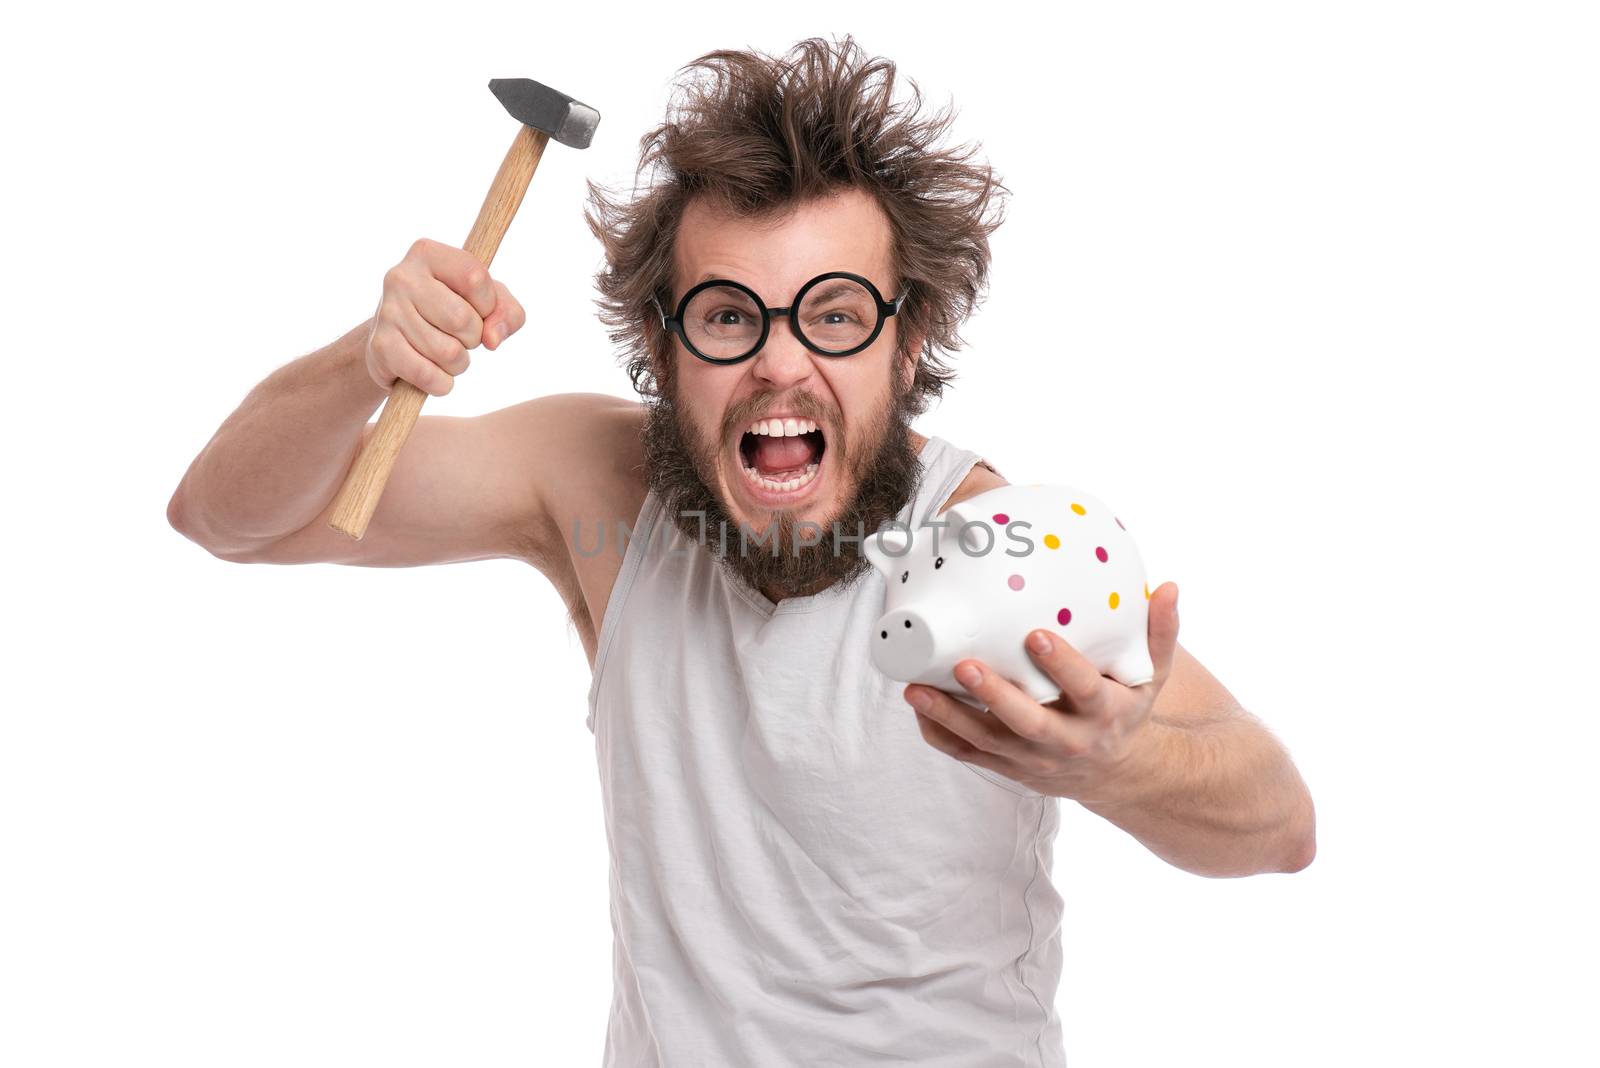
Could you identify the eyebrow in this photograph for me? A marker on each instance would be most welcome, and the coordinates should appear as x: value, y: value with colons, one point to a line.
x: 826, y: 291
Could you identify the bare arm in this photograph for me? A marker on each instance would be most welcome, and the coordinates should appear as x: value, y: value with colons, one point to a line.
x: 272, y: 465
x: 1212, y: 791
x: 272, y: 469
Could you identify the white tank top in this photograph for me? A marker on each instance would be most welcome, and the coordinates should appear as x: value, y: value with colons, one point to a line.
x: 797, y: 877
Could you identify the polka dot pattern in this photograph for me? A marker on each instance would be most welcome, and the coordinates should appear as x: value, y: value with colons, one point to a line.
x: 1053, y: 541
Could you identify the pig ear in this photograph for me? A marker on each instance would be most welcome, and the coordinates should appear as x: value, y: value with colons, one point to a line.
x: 887, y: 548
x: 970, y: 521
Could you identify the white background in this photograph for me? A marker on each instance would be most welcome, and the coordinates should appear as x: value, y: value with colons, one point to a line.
x: 1309, y: 291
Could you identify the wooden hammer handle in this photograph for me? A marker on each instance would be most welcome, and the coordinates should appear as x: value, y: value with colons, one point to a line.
x: 363, y: 486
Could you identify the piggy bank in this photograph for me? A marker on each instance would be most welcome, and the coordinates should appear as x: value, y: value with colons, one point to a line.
x: 1008, y: 561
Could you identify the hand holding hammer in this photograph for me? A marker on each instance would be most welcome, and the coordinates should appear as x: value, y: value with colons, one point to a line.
x: 544, y: 114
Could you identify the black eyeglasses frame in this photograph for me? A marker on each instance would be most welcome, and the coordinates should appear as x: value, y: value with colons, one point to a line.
x: 673, y: 324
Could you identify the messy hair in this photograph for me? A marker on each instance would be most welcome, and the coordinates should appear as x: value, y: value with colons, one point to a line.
x: 768, y: 134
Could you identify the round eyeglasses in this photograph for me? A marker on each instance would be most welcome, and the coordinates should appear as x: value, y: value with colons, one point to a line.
x: 834, y: 314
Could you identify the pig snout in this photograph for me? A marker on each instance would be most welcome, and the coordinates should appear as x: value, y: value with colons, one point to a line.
x: 903, y: 644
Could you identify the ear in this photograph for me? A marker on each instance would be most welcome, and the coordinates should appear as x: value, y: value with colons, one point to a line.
x: 969, y: 523
x: 886, y: 549
x: 909, y: 362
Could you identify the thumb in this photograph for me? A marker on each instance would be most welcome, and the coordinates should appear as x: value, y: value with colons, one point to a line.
x: 506, y: 318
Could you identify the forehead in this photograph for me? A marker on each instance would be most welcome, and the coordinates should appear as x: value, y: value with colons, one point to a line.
x: 776, y: 255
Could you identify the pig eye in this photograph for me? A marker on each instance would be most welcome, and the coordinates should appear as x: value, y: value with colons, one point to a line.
x: 937, y: 564
x: 905, y: 576
x: 908, y: 624
x: 884, y: 633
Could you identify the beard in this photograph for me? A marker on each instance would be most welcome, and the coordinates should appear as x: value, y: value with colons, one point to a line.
x: 681, y: 467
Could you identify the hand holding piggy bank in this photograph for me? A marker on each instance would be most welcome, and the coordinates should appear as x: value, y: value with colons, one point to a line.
x: 1008, y: 561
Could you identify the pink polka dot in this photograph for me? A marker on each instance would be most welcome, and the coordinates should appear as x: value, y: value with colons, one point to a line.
x: 1002, y: 518
x: 1064, y: 616
x: 1100, y: 553
x: 1015, y: 582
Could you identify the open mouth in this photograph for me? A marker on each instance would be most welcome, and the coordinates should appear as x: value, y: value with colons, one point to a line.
x: 781, y: 456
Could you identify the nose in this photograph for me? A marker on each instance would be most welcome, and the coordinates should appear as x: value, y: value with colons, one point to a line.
x: 783, y: 361
x: 903, y: 644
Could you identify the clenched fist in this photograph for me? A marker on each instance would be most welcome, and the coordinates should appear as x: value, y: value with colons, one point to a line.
x: 437, y: 303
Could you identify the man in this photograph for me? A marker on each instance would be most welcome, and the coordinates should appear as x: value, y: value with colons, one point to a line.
x: 804, y: 870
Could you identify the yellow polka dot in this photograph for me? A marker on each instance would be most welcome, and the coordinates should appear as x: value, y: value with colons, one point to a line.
x: 1052, y: 542
x: 1147, y: 591
x: 1078, y: 508
x: 1115, y: 600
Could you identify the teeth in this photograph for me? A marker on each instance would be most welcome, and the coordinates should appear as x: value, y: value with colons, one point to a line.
x: 781, y: 428
x: 805, y: 476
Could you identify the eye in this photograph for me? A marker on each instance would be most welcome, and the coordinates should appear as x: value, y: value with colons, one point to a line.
x: 905, y: 576
x: 937, y: 564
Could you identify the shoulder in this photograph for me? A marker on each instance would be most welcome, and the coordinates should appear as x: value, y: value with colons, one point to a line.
x: 588, y: 454
x: 982, y: 478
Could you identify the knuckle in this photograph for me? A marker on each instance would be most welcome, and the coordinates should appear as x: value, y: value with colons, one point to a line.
x: 419, y: 248
x: 389, y: 310
x: 463, y: 320
x: 477, y: 278
x: 1041, y: 766
x: 1080, y: 696
x: 1072, y: 749
x: 382, y: 345
x: 1032, y: 731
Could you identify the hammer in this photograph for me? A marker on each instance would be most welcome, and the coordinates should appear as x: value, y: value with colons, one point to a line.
x: 544, y: 113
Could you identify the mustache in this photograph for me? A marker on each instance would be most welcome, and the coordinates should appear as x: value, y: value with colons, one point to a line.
x: 798, y: 405
x: 682, y: 466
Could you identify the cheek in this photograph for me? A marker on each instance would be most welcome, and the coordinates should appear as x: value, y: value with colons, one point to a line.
x: 861, y: 393
x: 703, y: 398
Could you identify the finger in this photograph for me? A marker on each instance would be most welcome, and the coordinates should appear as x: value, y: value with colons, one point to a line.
x: 953, y: 745
x: 432, y: 343
x: 406, y: 363
x: 975, y: 726
x: 506, y: 319
x: 1163, y: 632
x: 1042, y: 729
x: 1083, y: 688
x: 461, y: 271
x: 445, y: 309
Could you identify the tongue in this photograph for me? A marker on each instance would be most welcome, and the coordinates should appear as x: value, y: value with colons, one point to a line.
x: 775, y: 455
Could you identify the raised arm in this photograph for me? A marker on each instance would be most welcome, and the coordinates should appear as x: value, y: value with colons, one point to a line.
x: 262, y: 488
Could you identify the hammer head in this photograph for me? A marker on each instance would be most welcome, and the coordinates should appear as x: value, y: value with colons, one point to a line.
x: 557, y: 114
